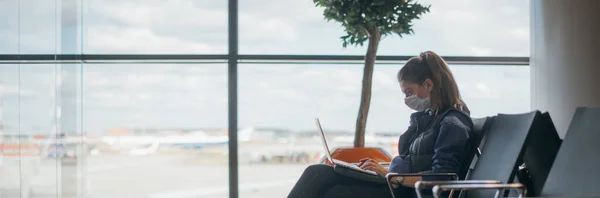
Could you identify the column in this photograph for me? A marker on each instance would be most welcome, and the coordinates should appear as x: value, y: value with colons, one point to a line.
x: 565, y: 57
x: 69, y: 101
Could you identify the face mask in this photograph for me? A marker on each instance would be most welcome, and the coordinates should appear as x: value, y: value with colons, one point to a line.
x: 416, y: 103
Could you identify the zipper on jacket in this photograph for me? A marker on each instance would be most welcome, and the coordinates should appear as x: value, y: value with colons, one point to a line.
x: 419, y: 134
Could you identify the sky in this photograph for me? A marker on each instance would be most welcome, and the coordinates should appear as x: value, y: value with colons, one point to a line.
x: 287, y: 96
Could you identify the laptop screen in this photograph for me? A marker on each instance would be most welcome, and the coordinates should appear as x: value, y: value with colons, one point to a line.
x: 323, y: 140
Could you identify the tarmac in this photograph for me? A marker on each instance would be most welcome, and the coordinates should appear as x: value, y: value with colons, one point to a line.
x: 158, y: 176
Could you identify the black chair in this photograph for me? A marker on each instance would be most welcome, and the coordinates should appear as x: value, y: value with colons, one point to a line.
x: 543, y: 144
x: 574, y: 171
x: 500, y: 156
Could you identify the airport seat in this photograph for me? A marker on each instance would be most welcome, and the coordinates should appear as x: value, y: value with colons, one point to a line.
x: 543, y: 144
x: 354, y: 155
x: 501, y: 151
x: 574, y: 172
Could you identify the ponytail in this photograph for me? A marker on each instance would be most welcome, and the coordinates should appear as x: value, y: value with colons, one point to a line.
x: 429, y: 65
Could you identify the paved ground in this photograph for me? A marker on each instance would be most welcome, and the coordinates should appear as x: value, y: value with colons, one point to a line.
x: 167, y: 174
x: 163, y: 177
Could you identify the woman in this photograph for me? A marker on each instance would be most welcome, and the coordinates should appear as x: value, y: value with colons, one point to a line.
x: 436, y: 140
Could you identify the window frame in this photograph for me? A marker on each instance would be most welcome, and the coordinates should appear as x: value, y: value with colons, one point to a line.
x: 232, y: 58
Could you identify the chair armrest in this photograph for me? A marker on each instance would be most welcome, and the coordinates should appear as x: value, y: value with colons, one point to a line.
x: 390, y: 176
x: 428, y: 184
x: 438, y: 189
x: 424, y: 184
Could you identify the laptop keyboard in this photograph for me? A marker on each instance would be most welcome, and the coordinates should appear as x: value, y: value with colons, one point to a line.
x: 352, y: 166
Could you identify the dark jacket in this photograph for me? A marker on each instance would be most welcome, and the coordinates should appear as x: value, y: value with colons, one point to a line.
x: 434, y: 144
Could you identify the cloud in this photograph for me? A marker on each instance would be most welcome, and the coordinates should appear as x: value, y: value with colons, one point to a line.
x: 159, y: 14
x: 477, y: 51
x: 142, y: 41
x: 483, y: 88
x: 160, y: 92
x: 11, y: 90
x: 188, y: 95
x: 381, y: 79
x: 32, y: 28
x: 175, y: 27
x: 282, y: 95
x: 181, y: 26
x: 452, y: 28
x: 187, y: 26
x: 455, y: 27
x: 256, y: 29
x: 521, y: 33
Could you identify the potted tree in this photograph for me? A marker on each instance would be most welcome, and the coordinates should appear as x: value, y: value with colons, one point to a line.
x: 369, y: 21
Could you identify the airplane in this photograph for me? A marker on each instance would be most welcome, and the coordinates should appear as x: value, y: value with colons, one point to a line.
x: 63, y: 146
x: 147, y: 144
x: 197, y: 139
x: 144, y: 149
x: 200, y: 139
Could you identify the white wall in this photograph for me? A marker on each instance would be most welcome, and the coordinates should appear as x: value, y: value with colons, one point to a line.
x: 565, y: 57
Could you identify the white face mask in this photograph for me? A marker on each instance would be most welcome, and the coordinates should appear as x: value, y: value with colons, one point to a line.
x: 416, y: 103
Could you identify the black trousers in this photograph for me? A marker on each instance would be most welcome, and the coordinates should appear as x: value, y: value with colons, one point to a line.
x: 321, y: 181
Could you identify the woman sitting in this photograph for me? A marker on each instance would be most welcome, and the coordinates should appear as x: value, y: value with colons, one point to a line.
x: 436, y: 141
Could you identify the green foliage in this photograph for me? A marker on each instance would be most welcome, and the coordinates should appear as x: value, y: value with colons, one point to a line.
x: 361, y: 18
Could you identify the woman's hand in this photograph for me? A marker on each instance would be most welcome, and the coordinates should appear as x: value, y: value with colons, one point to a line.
x: 372, y: 165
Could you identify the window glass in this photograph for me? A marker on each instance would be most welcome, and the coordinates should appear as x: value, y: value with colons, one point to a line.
x: 452, y: 28
x: 27, y: 120
x: 278, y: 104
x: 162, y: 127
x: 29, y: 27
x: 155, y: 27
x: 149, y: 125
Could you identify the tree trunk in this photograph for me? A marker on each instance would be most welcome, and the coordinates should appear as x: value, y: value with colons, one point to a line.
x: 365, y: 97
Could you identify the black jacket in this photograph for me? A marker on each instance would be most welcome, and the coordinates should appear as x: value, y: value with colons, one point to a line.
x: 434, y: 144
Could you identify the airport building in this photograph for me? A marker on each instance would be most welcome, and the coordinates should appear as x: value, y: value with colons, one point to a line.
x: 218, y: 98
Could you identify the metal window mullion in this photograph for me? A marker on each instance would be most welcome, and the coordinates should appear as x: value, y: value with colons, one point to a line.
x: 232, y: 60
x: 256, y: 59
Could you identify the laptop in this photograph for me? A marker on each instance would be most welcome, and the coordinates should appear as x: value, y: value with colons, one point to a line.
x: 338, y: 162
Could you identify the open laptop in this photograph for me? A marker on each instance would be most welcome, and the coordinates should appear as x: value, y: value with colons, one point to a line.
x: 338, y: 162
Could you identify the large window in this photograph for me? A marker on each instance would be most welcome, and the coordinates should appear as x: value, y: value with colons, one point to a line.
x: 148, y: 125
x: 292, y: 95
x: 142, y: 108
x: 28, y: 112
x: 159, y: 130
x: 452, y: 28
x: 278, y: 104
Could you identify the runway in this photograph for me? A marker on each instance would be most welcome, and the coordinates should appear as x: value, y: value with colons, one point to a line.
x: 163, y: 177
